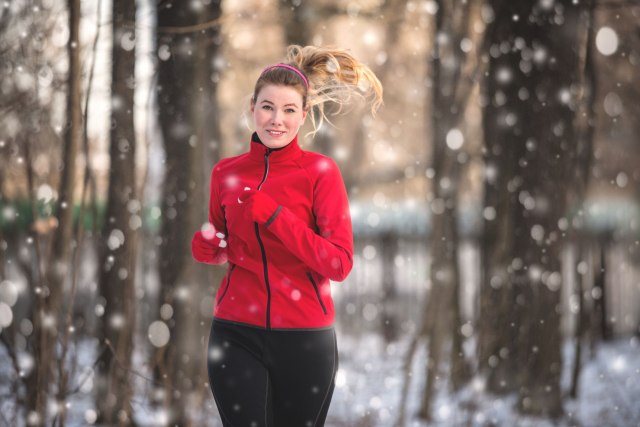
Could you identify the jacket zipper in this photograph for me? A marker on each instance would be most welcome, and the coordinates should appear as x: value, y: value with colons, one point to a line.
x: 315, y: 287
x: 228, y: 283
x: 264, y: 253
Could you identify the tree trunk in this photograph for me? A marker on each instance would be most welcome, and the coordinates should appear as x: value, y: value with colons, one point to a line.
x: 3, y: 242
x: 529, y: 121
x: 460, y: 368
x: 48, y: 301
x: 584, y: 122
x: 389, y: 319
x: 297, y: 18
x: 119, y: 235
x: 445, y: 276
x: 580, y: 327
x: 187, y: 84
x: 497, y: 330
x: 600, y: 291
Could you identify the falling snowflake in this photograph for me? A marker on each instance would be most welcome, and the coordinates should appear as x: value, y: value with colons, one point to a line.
x: 158, y: 333
x: 607, y: 41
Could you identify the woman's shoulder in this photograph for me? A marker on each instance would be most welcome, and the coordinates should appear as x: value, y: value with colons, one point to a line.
x: 318, y: 164
x: 229, y: 163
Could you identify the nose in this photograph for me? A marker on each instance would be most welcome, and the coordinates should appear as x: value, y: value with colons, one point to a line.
x: 276, y: 117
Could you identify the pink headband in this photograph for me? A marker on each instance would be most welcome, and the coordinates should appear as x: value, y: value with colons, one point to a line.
x: 288, y: 67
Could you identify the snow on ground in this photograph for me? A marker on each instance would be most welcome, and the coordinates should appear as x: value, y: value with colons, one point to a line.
x: 370, y: 379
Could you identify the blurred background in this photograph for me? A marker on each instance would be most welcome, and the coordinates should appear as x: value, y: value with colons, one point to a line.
x: 495, y: 200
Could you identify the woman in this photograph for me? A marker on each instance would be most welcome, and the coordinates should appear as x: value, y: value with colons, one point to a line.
x: 279, y: 216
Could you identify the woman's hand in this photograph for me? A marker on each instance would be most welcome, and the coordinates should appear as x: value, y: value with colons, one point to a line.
x: 207, y: 243
x: 258, y: 206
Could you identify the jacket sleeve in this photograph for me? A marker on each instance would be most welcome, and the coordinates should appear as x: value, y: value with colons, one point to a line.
x: 209, y: 251
x: 329, y: 252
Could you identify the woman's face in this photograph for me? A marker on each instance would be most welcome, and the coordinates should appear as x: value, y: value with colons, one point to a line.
x: 277, y: 115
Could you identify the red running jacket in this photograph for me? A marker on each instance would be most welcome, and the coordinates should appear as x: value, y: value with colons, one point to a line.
x: 278, y: 274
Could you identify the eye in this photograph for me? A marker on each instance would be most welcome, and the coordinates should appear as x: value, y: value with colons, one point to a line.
x: 266, y: 107
x: 290, y: 110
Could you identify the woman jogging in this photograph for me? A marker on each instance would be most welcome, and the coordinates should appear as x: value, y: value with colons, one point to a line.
x: 279, y: 216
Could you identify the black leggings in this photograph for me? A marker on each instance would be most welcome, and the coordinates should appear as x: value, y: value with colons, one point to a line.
x: 271, y: 378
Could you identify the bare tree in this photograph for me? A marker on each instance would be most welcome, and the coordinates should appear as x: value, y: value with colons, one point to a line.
x: 67, y: 366
x: 27, y: 134
x: 530, y: 150
x: 497, y: 332
x: 188, y: 73
x: 389, y: 324
x: 118, y: 245
x: 447, y: 66
x: 51, y: 287
x: 585, y: 126
x: 454, y: 74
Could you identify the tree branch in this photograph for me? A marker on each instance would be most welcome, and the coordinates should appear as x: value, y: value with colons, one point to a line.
x: 191, y: 28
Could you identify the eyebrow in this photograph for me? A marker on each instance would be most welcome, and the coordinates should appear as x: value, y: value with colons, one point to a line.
x: 286, y: 105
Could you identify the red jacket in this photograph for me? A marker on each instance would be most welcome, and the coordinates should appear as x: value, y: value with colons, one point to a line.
x: 278, y: 274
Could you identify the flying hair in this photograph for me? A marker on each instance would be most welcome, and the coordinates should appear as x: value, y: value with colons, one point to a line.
x: 323, y: 75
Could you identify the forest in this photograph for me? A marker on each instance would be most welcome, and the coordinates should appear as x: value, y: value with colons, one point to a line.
x: 495, y: 201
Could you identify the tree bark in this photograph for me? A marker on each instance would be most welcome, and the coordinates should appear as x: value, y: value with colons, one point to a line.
x: 580, y: 329
x: 389, y: 301
x: 445, y: 275
x: 600, y: 290
x: 497, y: 329
x: 187, y: 91
x: 114, y: 390
x: 48, y: 300
x: 529, y: 127
x: 585, y: 125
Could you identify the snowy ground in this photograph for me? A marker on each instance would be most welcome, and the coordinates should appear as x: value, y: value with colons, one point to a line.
x: 369, y: 386
x: 370, y: 379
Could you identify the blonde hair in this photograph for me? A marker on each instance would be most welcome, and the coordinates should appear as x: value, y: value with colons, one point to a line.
x: 332, y: 75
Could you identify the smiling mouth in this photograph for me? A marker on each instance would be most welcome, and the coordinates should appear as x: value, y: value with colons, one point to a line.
x: 275, y: 133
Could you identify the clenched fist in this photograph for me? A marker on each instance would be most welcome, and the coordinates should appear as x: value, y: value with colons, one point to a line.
x: 206, y: 243
x: 258, y: 206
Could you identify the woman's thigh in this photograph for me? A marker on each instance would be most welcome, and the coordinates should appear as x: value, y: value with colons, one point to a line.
x: 239, y: 380
x: 303, y: 366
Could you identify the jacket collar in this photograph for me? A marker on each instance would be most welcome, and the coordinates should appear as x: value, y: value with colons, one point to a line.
x: 289, y: 152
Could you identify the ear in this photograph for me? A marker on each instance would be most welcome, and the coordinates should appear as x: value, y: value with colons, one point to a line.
x: 253, y: 104
x: 304, y: 114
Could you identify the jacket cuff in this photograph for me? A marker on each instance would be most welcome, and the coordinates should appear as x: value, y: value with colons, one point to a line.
x: 273, y: 217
